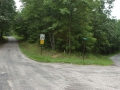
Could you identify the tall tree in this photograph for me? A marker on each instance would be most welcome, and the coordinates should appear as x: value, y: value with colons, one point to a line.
x: 7, y: 12
x: 67, y: 22
x: 102, y: 26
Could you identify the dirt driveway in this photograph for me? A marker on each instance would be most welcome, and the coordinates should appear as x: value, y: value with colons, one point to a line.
x: 17, y: 72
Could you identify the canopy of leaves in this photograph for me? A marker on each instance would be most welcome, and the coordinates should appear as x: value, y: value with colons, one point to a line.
x: 67, y: 22
x: 7, y: 13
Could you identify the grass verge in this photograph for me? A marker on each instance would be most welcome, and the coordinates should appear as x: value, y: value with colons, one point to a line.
x: 33, y: 52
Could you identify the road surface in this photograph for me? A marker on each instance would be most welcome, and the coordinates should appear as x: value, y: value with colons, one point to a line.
x: 116, y: 60
x: 17, y: 72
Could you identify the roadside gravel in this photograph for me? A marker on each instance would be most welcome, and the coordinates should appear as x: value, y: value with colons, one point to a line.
x: 17, y: 72
x: 116, y: 60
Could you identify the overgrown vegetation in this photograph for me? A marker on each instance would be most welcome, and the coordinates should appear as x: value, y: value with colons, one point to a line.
x: 33, y: 51
x: 66, y: 22
x: 7, y: 14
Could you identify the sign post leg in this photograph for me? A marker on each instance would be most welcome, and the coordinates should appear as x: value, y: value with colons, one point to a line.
x: 83, y: 50
x: 41, y: 49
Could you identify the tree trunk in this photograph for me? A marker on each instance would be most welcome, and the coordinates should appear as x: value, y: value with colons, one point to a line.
x: 69, y: 41
x: 70, y: 22
x: 52, y: 40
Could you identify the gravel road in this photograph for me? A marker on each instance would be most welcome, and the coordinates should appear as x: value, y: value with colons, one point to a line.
x: 116, y: 60
x: 17, y: 72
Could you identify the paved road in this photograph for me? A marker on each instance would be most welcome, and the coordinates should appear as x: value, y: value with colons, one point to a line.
x: 17, y: 72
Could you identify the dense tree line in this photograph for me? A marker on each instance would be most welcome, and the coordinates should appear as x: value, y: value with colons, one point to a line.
x: 66, y: 23
x: 7, y: 13
x: 69, y: 25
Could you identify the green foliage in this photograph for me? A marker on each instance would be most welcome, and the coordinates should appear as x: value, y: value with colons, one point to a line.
x: 7, y: 13
x: 33, y: 52
x: 67, y: 22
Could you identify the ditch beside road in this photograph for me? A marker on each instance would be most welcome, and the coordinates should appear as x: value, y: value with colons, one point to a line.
x: 17, y: 72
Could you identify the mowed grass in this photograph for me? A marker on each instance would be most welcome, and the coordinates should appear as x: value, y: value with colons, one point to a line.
x: 33, y: 51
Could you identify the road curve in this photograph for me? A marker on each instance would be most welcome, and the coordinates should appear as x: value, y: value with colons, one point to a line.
x: 116, y: 60
x: 17, y: 72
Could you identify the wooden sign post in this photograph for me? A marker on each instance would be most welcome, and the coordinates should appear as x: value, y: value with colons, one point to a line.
x: 42, y: 38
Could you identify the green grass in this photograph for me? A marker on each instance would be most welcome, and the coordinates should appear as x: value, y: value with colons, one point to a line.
x: 49, y: 56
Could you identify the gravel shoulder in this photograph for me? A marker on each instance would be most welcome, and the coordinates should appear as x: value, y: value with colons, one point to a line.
x: 17, y: 72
